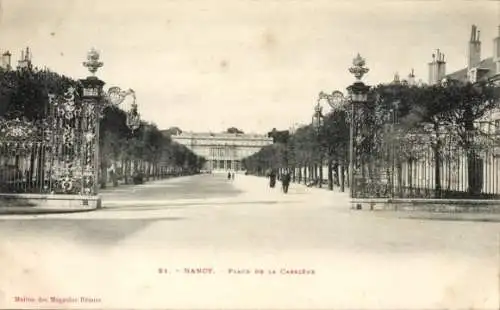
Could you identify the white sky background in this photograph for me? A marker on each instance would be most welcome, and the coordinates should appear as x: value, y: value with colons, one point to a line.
x: 208, y: 65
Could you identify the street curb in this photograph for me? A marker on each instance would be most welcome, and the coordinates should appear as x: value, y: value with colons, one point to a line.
x: 23, y: 203
x: 428, y: 201
x: 441, y: 216
x: 427, y: 205
x: 36, y: 210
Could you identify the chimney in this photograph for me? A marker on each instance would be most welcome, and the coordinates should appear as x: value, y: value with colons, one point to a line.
x: 437, y: 68
x: 6, y: 60
x: 496, y: 51
x: 396, y: 79
x: 25, y: 61
x: 411, y: 78
x: 474, y: 52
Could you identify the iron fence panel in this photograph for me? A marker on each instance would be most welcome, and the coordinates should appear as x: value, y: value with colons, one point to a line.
x: 403, y: 164
x: 55, y: 154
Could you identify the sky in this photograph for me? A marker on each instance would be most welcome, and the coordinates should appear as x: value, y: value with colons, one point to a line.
x: 207, y: 65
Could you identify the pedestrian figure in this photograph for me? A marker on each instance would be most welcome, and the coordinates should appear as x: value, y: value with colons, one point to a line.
x: 229, y: 175
x: 336, y: 174
x: 285, y: 181
x: 232, y: 176
x: 272, y: 179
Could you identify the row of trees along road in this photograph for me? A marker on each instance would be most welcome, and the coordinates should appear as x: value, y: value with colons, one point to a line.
x: 24, y: 95
x: 421, y: 111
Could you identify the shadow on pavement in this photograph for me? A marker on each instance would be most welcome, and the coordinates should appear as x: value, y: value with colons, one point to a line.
x: 16, y: 202
x: 90, y: 230
x: 139, y: 208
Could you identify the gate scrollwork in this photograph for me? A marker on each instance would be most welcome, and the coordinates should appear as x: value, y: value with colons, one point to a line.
x: 74, y: 143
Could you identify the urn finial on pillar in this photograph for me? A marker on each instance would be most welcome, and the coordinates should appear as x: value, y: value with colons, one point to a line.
x: 93, y: 63
x: 358, y: 69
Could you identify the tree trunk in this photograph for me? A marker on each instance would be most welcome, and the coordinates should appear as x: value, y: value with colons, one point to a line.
x: 342, y: 177
x: 437, y: 169
x: 330, y: 174
x: 475, y: 173
x: 399, y: 169
x: 114, y: 178
x: 390, y: 178
x: 320, y: 185
x: 316, y: 172
x: 347, y: 174
x: 42, y: 157
x: 125, y: 172
x: 31, y: 171
x: 410, y: 176
x: 104, y: 175
x: 474, y: 163
x: 114, y: 175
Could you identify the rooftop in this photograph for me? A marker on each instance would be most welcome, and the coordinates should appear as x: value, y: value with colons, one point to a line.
x: 486, y: 63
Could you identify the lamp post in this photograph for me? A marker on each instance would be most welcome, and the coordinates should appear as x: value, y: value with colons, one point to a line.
x: 92, y: 95
x: 358, y: 94
x: 97, y: 100
x: 317, y: 123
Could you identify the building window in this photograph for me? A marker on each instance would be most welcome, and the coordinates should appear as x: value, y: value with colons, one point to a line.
x: 497, y: 126
x: 482, y: 126
x: 473, y: 75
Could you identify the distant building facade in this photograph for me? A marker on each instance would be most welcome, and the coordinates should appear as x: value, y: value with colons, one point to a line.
x: 223, y: 151
x: 455, y: 173
x: 481, y: 69
x: 6, y: 59
x: 24, y: 61
x: 478, y: 68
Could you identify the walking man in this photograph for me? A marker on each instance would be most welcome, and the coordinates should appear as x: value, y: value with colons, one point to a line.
x: 272, y: 179
x: 285, y: 181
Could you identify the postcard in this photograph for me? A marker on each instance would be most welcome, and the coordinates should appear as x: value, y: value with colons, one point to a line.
x: 249, y: 154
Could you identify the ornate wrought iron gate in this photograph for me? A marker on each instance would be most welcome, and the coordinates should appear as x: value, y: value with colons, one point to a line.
x: 53, y: 155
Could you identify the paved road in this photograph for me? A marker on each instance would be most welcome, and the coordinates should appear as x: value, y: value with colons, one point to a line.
x: 199, y: 187
x: 145, y: 247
